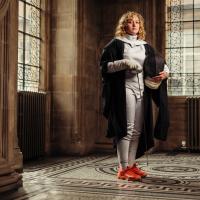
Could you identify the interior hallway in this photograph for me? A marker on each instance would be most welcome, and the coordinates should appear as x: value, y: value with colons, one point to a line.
x: 94, y: 177
x: 71, y: 35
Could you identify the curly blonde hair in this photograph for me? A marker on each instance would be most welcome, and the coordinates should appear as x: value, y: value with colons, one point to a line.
x: 122, y: 23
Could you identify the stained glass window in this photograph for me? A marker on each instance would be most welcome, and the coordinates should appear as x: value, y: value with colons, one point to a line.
x: 29, y: 41
x: 183, y: 46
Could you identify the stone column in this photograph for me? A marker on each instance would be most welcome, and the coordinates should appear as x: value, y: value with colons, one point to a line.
x: 75, y: 32
x: 9, y: 178
x: 65, y: 137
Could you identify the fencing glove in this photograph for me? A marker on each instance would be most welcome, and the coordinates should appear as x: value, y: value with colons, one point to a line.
x: 123, y: 64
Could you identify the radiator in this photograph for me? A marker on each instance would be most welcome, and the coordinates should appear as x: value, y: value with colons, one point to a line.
x: 31, y: 124
x: 193, y: 122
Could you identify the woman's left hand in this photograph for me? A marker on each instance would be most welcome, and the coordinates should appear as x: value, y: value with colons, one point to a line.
x: 162, y: 75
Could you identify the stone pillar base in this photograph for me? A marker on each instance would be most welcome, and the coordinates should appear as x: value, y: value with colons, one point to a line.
x: 18, y: 160
x: 9, y: 179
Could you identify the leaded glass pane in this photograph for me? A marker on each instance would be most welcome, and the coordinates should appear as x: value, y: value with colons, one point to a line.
x: 20, y: 85
x: 32, y: 73
x: 175, y: 84
x: 32, y: 20
x: 21, y: 16
x: 188, y: 66
x: 34, y: 2
x: 20, y: 55
x: 197, y: 14
x: 188, y: 60
x: 197, y: 34
x: 197, y: 66
x: 187, y: 14
x: 174, y: 59
x: 20, y: 40
x: 197, y: 40
x: 187, y: 28
x: 20, y: 81
x: 196, y: 3
x: 188, y: 40
x: 196, y: 60
x: 32, y: 52
x: 21, y: 9
x: 197, y: 54
x: 20, y: 72
x: 197, y: 28
x: 31, y: 86
x: 197, y: 84
x: 184, y: 84
x: 20, y: 47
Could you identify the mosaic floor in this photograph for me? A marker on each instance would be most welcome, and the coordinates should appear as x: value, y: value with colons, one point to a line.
x: 94, y: 178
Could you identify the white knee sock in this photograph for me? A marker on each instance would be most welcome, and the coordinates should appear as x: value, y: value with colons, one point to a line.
x: 122, y: 152
x: 133, y: 150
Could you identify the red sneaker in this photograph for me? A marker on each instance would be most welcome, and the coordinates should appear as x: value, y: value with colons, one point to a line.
x: 128, y: 174
x: 138, y: 171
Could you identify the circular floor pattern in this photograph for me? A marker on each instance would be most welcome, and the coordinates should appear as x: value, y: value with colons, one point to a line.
x: 161, y: 172
x: 162, y: 181
x: 107, y: 170
x: 175, y: 169
x: 148, y: 180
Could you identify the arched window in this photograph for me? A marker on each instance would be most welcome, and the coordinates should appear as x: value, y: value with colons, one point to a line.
x: 183, y: 46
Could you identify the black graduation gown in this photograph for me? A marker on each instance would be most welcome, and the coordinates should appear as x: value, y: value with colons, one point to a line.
x: 114, y: 97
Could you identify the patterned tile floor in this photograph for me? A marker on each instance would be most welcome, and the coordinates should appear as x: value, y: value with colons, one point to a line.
x: 94, y: 178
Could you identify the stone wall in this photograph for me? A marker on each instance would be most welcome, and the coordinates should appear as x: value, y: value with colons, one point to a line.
x: 178, y: 124
x: 74, y: 33
x: 63, y: 61
x: 88, y: 71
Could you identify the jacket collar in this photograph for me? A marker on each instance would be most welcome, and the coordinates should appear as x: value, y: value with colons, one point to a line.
x: 131, y: 40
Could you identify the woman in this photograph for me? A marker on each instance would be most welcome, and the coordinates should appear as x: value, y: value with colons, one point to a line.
x: 126, y: 61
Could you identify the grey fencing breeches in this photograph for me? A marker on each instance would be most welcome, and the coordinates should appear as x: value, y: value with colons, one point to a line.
x: 127, y: 146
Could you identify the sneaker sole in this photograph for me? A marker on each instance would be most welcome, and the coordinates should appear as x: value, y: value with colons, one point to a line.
x: 144, y: 176
x: 129, y: 178
x: 141, y: 175
x: 122, y: 178
x: 133, y: 179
